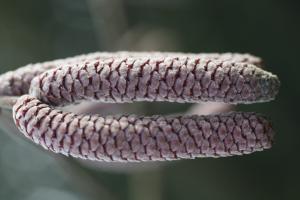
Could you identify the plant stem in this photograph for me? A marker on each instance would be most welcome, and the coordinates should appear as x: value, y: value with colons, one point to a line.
x: 7, y: 102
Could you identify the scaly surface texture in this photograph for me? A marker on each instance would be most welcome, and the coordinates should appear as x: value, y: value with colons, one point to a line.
x: 151, y: 78
x: 15, y: 83
x: 148, y: 76
x: 131, y: 138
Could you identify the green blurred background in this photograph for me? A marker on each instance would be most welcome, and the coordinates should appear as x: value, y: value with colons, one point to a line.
x: 39, y: 30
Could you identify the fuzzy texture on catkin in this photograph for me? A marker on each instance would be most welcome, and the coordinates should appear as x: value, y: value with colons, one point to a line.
x: 16, y: 83
x: 150, y: 78
x: 131, y: 138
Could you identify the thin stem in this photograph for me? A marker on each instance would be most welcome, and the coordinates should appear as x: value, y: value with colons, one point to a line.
x: 7, y: 102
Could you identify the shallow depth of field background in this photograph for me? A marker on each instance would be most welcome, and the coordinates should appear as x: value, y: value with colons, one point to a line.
x: 40, y: 30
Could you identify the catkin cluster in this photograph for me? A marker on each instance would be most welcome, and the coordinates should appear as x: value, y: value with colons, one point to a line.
x: 148, y: 76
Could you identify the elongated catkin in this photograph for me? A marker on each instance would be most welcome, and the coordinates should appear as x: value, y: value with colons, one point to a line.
x: 131, y: 138
x: 182, y: 79
x: 15, y: 83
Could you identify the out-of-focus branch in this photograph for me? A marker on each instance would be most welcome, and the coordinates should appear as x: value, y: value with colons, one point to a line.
x: 109, y: 21
x: 83, y: 181
x: 146, y: 185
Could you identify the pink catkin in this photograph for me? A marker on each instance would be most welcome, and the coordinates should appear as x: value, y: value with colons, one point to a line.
x: 15, y: 83
x: 173, y: 79
x: 131, y: 138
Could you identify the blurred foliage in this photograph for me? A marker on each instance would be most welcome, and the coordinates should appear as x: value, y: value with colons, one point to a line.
x: 34, y: 31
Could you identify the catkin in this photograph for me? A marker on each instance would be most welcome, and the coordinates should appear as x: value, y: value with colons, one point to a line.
x: 131, y: 138
x: 16, y: 83
x: 173, y: 79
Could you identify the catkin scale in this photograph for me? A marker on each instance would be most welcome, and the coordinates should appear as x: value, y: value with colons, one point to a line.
x: 132, y: 138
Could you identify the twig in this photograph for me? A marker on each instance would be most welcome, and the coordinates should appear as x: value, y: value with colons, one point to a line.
x: 7, y: 102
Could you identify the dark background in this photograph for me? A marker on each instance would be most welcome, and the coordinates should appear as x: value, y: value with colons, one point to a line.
x: 39, y: 30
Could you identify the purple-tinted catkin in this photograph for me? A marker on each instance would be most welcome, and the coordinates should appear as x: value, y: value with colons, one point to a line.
x: 131, y: 138
x: 148, y: 76
x: 16, y: 83
x: 183, y: 79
